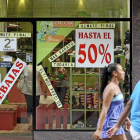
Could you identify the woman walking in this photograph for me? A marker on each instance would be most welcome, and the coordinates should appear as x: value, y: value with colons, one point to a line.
x: 113, y: 104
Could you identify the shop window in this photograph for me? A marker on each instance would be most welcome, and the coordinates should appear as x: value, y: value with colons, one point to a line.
x: 80, y: 93
x: 17, y: 44
x: 73, y: 8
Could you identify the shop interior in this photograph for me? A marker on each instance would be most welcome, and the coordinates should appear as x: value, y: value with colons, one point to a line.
x: 13, y: 110
x: 82, y: 102
x: 73, y: 8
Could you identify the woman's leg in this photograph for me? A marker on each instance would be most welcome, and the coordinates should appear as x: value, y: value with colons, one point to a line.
x: 106, y: 139
x: 119, y: 137
x: 29, y: 102
x: 31, y: 117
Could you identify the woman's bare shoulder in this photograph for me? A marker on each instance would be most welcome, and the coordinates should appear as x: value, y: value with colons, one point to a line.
x: 109, y: 90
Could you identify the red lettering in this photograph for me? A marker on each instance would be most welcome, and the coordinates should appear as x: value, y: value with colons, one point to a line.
x: 1, y: 96
x: 109, y: 36
x: 8, y: 82
x: 80, y: 35
x: 11, y: 76
x: 3, y: 89
x: 20, y: 65
x: 105, y: 35
x: 86, y: 36
x: 94, y: 35
x: 90, y: 35
x: 99, y: 36
x: 15, y: 71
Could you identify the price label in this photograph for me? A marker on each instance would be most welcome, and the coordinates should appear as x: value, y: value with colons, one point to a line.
x: 8, y: 44
x: 94, y: 47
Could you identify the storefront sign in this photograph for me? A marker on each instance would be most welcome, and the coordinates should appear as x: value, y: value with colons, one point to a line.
x: 63, y: 64
x: 60, y: 52
x: 11, y: 78
x: 29, y: 57
x: 8, y: 34
x: 94, y: 47
x: 63, y: 24
x: 5, y: 64
x: 8, y: 44
x: 6, y: 58
x: 21, y: 54
x: 50, y: 87
x: 102, y: 25
x: 45, y: 28
x: 54, y: 38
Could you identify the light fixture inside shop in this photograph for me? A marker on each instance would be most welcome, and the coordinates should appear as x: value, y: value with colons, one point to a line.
x: 22, y: 1
x: 81, y: 2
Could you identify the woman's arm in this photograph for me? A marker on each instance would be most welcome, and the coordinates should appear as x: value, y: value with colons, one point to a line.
x: 124, y: 113
x: 66, y: 75
x: 44, y: 85
x: 108, y: 95
x: 112, y: 131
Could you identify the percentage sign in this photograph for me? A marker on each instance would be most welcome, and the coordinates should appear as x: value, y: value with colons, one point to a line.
x: 103, y: 52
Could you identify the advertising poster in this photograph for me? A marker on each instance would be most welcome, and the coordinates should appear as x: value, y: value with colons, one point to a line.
x: 50, y: 34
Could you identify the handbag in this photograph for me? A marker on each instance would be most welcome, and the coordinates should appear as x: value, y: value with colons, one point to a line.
x: 20, y: 84
x: 49, y: 100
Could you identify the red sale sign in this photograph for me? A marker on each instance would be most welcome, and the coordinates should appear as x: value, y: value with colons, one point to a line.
x: 94, y: 47
x: 11, y: 78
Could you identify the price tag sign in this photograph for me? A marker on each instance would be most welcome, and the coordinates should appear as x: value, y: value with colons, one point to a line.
x: 8, y: 44
x: 94, y: 47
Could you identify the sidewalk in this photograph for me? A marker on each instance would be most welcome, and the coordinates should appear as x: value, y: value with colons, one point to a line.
x: 55, y: 135
x: 66, y: 135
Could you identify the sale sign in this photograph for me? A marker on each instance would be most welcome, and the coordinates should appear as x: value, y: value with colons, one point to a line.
x: 50, y: 87
x: 94, y: 47
x: 63, y: 64
x: 8, y: 44
x: 11, y: 78
x: 61, y: 51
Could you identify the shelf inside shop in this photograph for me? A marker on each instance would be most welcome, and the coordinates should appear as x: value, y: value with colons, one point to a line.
x: 92, y: 92
x: 78, y: 109
x: 78, y: 91
x: 78, y: 74
x: 92, y: 110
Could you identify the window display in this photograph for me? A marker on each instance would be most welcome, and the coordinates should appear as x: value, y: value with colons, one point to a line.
x: 75, y: 9
x: 13, y: 109
x: 68, y: 91
x: 81, y: 85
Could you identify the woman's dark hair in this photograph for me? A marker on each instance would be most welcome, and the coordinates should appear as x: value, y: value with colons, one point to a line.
x: 107, y: 75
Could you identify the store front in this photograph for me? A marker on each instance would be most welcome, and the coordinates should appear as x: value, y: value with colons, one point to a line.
x: 72, y: 71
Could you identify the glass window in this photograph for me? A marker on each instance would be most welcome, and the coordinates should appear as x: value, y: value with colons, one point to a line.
x: 77, y: 88
x: 16, y: 108
x: 72, y: 8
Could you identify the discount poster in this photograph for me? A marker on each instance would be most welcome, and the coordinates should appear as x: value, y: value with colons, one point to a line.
x: 94, y: 47
x: 50, y: 34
